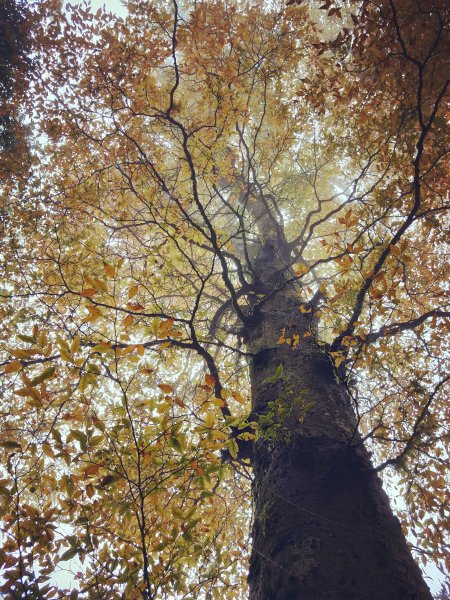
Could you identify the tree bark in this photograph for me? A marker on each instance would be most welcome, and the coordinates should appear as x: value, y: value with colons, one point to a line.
x: 323, y: 528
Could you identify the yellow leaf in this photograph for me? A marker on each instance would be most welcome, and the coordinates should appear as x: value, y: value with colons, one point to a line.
x: 28, y: 391
x: 174, y: 333
x: 101, y: 348
x: 110, y: 271
x: 75, y: 346
x: 47, y: 449
x: 233, y: 447
x: 164, y: 327
x: 210, y: 420
x: 65, y: 355
x: 218, y: 402
x: 338, y: 358
x: 125, y: 351
x: 133, y: 291
x: 19, y: 353
x: 94, y: 311
x: 100, y: 285
x: 237, y: 396
x: 46, y: 374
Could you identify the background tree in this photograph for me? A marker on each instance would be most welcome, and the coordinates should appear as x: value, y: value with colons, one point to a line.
x: 228, y: 187
x: 15, y: 64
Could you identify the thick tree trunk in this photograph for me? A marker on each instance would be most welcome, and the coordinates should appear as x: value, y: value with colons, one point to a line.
x: 323, y: 528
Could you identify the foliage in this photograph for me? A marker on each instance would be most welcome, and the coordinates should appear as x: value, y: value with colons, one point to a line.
x: 168, y: 146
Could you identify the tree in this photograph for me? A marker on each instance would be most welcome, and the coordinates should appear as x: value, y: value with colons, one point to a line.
x: 15, y: 63
x: 223, y: 187
x: 13, y: 53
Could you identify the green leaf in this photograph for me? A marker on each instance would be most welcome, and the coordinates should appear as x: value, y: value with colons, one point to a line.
x: 175, y: 443
x: 4, y: 491
x: 276, y: 376
x: 109, y: 479
x: 80, y: 437
x: 27, y: 338
x: 233, y: 447
x: 68, y: 554
x: 56, y: 436
x: 10, y: 444
x: 43, y: 376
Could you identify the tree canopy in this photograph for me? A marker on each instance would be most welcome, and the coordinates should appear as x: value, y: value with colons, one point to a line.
x: 166, y: 149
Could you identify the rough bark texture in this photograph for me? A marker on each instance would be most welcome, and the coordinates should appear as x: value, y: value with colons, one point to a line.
x: 323, y: 528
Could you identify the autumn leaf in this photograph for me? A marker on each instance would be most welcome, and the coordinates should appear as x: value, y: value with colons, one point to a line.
x: 258, y: 196
x: 110, y: 271
x: 128, y: 321
x: 210, y: 380
x: 13, y: 366
x: 46, y: 374
x: 109, y: 480
x: 10, y: 444
x: 47, y: 449
x: 91, y: 470
x: 164, y: 387
x: 135, y: 307
x: 133, y: 290
x: 88, y: 292
x: 68, y: 554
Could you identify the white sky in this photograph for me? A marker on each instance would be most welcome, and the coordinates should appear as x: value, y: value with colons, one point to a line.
x: 114, y: 6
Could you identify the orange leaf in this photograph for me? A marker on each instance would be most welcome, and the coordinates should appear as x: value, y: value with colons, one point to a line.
x: 164, y: 327
x: 88, y: 292
x: 128, y: 321
x: 136, y: 307
x: 110, y: 271
x: 198, y: 468
x: 13, y: 366
x: 133, y: 291
x: 147, y: 370
x: 164, y: 387
x: 239, y: 397
x: 210, y: 380
x: 180, y: 402
x: 91, y: 470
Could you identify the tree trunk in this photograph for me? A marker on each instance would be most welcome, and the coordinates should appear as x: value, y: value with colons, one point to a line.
x: 323, y: 528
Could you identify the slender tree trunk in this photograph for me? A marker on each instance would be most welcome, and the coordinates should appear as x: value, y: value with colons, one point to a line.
x: 323, y: 528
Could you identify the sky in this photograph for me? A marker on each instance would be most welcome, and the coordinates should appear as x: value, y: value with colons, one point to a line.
x: 114, y: 6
